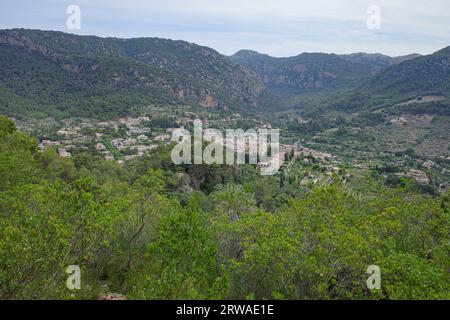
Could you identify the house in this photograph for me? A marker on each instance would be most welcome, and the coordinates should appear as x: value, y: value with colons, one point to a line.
x: 161, y: 138
x: 48, y: 143
x: 100, y: 147
x: 98, y: 136
x: 142, y: 137
x: 64, y: 153
x: 123, y: 143
x: 64, y: 133
x: 143, y: 149
x: 143, y: 119
x: 418, y: 175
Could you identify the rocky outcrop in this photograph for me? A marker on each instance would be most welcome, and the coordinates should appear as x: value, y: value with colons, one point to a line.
x: 14, y: 38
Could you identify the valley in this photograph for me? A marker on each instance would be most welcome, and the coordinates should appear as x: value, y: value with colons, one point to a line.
x: 87, y: 177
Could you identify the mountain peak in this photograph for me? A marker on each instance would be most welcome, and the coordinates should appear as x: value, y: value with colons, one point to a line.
x: 445, y: 51
x: 247, y: 54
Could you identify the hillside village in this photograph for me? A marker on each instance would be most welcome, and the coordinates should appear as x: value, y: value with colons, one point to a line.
x: 127, y: 138
x: 120, y: 140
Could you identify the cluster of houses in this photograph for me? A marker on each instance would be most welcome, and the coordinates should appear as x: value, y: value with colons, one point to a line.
x: 307, y: 152
x: 418, y: 175
x: 138, y: 141
x: 137, y: 138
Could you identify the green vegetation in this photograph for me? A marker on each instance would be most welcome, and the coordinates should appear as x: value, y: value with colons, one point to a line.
x: 307, y: 72
x: 148, y: 229
x: 53, y: 73
x: 113, y: 150
x: 376, y: 193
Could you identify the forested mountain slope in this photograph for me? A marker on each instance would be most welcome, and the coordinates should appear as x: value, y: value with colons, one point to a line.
x: 377, y: 61
x: 307, y: 72
x: 45, y: 72
x: 417, y: 81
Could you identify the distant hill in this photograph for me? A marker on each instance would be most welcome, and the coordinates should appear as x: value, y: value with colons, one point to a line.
x: 426, y: 75
x: 305, y: 73
x: 414, y: 81
x: 59, y: 74
x: 46, y: 72
x: 402, y: 108
x: 377, y: 61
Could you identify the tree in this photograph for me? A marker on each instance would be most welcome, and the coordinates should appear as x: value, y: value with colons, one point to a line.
x: 7, y: 126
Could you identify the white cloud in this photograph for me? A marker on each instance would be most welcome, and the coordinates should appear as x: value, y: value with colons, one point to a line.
x: 279, y: 27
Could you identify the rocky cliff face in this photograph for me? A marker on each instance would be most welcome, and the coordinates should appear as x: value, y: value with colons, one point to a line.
x: 307, y: 72
x: 15, y: 38
x: 70, y: 72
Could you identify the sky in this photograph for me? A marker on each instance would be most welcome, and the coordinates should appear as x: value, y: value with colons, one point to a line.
x: 275, y: 27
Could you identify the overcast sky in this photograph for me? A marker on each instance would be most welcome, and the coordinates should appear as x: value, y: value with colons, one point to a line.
x: 275, y: 27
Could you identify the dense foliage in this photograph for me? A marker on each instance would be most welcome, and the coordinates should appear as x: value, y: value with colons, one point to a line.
x: 59, y: 74
x: 149, y: 229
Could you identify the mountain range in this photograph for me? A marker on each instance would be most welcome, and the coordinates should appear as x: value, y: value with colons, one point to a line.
x: 313, y: 72
x: 60, y: 74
